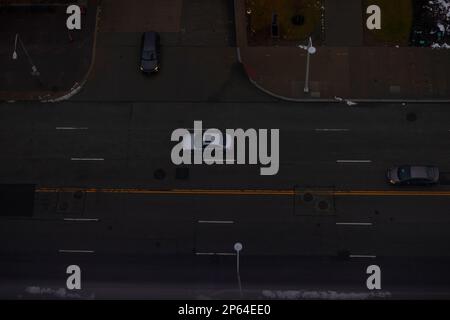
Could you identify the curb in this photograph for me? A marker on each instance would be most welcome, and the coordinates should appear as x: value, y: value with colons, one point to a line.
x: 335, y: 100
x: 77, y: 86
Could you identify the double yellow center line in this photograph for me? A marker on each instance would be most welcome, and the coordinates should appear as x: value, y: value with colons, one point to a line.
x: 253, y: 192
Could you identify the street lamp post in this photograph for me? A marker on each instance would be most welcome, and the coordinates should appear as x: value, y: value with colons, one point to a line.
x: 238, y: 248
x: 14, y: 56
x: 34, y: 69
x: 310, y: 49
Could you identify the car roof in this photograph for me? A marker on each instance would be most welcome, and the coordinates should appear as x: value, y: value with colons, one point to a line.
x: 419, y: 172
x: 188, y: 138
x: 422, y: 172
x: 212, y: 134
x: 149, y: 42
x: 149, y: 36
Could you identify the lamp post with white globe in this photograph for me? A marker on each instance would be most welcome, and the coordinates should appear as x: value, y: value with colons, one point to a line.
x: 310, y: 49
x: 34, y: 70
x: 14, y: 56
x: 238, y: 247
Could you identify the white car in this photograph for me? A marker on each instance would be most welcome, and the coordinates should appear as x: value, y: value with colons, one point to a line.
x: 413, y: 175
x: 210, y: 138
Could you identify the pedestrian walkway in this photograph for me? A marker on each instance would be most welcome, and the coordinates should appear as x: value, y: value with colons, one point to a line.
x: 49, y: 61
x: 347, y: 71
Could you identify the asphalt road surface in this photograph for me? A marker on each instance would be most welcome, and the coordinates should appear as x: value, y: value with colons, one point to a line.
x: 108, y: 198
x: 114, y: 218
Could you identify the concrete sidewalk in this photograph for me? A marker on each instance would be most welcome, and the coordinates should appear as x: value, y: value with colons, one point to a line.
x: 348, y: 72
x: 62, y: 57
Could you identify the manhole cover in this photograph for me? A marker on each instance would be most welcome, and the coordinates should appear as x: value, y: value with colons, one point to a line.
x: 160, y: 174
x: 411, y: 117
x: 308, y: 197
x: 71, y: 202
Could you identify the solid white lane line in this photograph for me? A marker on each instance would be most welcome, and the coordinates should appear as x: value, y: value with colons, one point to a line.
x: 87, y: 159
x: 215, y: 254
x: 332, y: 130
x: 354, y: 161
x: 216, y: 221
x: 82, y: 219
x: 75, y: 251
x: 72, y: 128
x: 353, y: 223
x: 362, y: 256
x: 219, y: 160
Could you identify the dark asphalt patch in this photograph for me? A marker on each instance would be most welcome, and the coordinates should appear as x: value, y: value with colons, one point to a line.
x: 17, y: 200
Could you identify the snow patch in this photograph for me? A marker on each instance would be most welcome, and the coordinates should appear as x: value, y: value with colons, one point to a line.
x: 323, y: 295
x: 61, y: 293
x: 440, y: 11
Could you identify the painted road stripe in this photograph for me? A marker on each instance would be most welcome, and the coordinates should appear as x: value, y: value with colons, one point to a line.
x: 72, y: 128
x: 388, y: 193
x: 332, y: 130
x: 353, y: 223
x: 215, y: 254
x: 87, y: 159
x: 170, y: 192
x: 251, y: 192
x: 363, y: 256
x: 215, y: 222
x: 220, y: 160
x: 75, y: 251
x: 81, y: 219
x: 354, y: 161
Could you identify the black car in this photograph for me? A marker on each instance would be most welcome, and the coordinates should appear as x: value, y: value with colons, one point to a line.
x: 150, y: 52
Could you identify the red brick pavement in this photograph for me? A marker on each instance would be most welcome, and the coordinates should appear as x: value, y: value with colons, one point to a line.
x: 356, y: 73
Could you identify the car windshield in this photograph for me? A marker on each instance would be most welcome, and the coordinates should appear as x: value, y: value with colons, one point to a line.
x: 148, y: 55
x: 404, y: 173
x: 431, y: 172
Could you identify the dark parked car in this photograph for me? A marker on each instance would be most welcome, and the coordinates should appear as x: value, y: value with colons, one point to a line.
x: 413, y: 175
x: 150, y: 52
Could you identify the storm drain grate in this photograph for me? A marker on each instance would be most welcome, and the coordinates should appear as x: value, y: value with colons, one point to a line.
x: 314, y: 201
x: 71, y: 202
